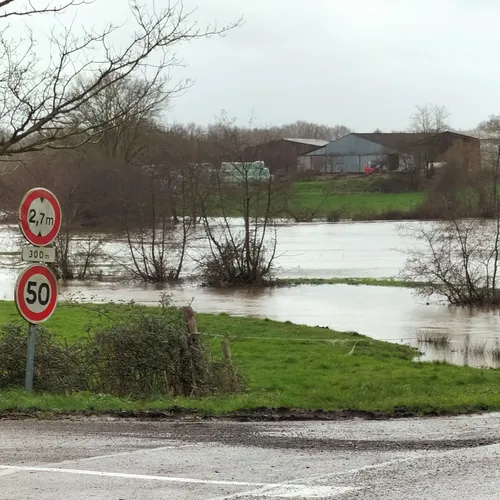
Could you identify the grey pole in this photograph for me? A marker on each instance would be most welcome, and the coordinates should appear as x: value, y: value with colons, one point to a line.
x: 30, y: 358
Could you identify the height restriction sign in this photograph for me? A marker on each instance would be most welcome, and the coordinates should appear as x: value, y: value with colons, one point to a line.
x: 40, y: 217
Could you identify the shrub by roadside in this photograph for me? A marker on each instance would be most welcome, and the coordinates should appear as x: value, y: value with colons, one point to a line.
x: 149, y: 353
x: 144, y: 353
x: 59, y: 367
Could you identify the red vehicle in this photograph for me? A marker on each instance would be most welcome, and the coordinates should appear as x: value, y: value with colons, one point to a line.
x: 374, y: 166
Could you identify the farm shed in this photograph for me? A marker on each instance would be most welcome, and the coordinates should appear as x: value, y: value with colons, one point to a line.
x: 352, y: 152
x: 280, y: 156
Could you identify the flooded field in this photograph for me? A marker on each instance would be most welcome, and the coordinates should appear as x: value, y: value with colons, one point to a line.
x: 385, y: 313
x: 317, y: 251
x: 313, y: 250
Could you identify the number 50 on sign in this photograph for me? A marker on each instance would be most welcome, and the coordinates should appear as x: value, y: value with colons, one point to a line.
x: 36, y: 293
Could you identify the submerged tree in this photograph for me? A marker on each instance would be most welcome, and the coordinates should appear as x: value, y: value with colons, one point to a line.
x: 246, y: 198
x: 459, y: 258
x: 157, y: 230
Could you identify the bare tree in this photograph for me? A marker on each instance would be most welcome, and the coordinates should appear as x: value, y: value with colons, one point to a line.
x: 489, y: 134
x: 41, y: 100
x: 14, y: 8
x: 459, y: 258
x: 157, y: 230
x: 242, y: 240
x: 130, y: 126
x: 308, y: 130
x: 430, y: 119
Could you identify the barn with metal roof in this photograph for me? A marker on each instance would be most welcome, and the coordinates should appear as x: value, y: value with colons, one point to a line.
x: 353, y: 152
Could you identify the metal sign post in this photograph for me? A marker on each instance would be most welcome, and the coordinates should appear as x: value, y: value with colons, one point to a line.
x: 36, y: 287
x: 30, y: 358
x: 36, y: 300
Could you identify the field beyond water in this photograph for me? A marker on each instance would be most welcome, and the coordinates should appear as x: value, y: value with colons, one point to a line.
x: 286, y: 366
x: 352, y: 198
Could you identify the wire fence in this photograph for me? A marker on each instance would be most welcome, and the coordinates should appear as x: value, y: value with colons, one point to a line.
x: 393, y: 340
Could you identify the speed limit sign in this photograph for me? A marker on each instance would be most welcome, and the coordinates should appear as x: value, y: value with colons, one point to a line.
x: 36, y: 293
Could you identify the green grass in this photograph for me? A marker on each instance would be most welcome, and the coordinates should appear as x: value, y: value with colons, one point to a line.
x: 349, y: 202
x: 349, y: 281
x: 288, y: 365
x: 349, y: 198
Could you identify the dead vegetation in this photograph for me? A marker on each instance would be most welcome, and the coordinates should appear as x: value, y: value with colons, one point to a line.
x: 437, y: 338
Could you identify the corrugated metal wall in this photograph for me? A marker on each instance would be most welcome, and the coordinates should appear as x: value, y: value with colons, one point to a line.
x: 336, y: 164
x: 350, y: 164
x: 352, y: 145
x: 350, y: 154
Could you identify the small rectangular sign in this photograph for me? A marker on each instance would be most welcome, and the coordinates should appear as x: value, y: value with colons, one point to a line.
x: 38, y: 254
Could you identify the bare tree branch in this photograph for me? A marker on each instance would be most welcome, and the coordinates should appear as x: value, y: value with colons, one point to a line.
x: 47, y: 8
x: 47, y: 103
x: 430, y: 119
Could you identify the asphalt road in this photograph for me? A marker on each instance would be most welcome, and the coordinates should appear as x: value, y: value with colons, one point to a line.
x: 445, y: 458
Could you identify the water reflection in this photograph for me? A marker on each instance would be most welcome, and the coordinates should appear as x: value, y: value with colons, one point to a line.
x: 312, y: 250
x: 391, y: 314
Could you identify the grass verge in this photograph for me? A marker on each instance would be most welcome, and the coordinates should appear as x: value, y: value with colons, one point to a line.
x: 388, y: 282
x: 288, y: 366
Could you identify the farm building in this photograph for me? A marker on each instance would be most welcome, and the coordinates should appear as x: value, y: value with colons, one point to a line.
x: 353, y: 152
x: 280, y: 156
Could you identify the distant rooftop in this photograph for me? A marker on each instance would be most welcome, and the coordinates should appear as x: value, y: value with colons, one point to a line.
x: 396, y: 140
x: 402, y: 142
x: 310, y: 142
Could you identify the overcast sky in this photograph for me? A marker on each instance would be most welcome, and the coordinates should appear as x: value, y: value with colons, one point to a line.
x: 361, y: 63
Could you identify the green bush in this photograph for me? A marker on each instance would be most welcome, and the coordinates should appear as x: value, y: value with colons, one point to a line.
x: 58, y: 367
x: 145, y: 353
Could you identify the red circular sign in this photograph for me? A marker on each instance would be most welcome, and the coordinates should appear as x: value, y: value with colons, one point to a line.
x: 40, y: 216
x: 36, y: 293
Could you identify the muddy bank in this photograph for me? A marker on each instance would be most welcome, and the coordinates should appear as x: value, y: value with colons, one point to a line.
x: 262, y: 414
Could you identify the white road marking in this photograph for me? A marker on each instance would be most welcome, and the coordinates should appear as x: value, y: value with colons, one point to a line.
x: 397, y: 461
x: 266, y: 490
x: 9, y: 472
x: 302, y: 491
x: 125, y: 475
x: 291, y: 491
x: 266, y: 493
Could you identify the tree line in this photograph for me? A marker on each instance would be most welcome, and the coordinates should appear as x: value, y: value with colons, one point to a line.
x: 85, y: 121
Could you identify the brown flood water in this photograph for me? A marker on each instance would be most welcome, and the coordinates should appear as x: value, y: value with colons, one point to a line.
x: 385, y: 313
x: 324, y: 251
